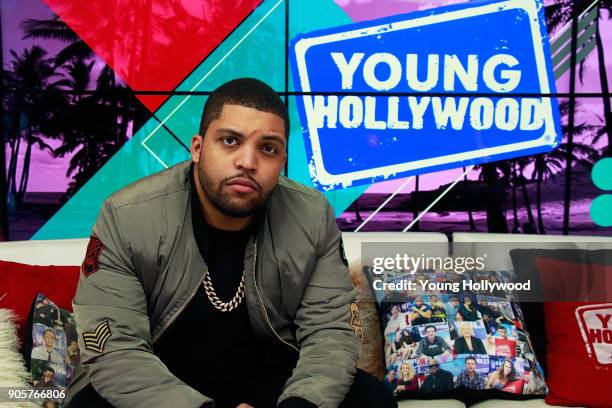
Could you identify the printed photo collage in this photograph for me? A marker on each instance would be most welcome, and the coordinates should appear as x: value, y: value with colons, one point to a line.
x: 55, y: 351
x: 438, y: 340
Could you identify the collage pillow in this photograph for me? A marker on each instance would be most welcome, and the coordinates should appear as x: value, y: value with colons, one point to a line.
x: 444, y: 344
x: 52, y: 351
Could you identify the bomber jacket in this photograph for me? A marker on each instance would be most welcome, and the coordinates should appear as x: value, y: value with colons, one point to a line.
x: 143, y: 266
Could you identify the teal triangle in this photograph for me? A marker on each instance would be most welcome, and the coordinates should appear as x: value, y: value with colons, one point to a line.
x: 132, y: 162
x: 254, y: 49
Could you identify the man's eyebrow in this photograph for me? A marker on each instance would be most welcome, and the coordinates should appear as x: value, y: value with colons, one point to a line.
x: 275, y: 138
x: 231, y: 132
x: 238, y: 135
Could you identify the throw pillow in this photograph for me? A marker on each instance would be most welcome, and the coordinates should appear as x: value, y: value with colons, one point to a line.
x: 447, y: 343
x: 20, y: 283
x: 578, y: 333
x: 53, y: 352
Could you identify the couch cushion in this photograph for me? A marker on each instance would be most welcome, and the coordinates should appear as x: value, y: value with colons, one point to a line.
x: 534, y: 403
x: 47, y: 252
x: 440, y: 403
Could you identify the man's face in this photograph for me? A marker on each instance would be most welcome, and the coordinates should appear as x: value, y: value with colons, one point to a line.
x: 48, y: 375
x: 239, y: 159
x: 454, y: 302
x: 484, y: 303
x: 391, y: 375
x: 431, y: 333
x: 49, y: 339
x: 502, y: 332
x: 418, y: 302
x: 470, y: 365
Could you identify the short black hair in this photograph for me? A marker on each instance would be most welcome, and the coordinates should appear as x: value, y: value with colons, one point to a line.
x: 430, y: 326
x: 470, y: 358
x: 247, y: 92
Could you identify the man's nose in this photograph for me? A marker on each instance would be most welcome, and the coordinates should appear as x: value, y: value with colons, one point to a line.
x: 246, y: 158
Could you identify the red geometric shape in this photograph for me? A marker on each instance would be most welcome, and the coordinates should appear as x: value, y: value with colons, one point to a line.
x: 153, y: 44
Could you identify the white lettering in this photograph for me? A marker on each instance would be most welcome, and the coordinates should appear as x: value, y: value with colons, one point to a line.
x: 347, y: 69
x: 395, y: 71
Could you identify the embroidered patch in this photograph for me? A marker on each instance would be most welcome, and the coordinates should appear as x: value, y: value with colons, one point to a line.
x: 91, y: 264
x: 342, y: 253
x: 355, y: 321
x: 95, y: 340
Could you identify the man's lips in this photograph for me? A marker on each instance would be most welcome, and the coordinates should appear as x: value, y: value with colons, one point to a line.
x: 243, y: 185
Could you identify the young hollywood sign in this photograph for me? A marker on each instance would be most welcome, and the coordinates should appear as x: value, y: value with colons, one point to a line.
x: 425, y: 91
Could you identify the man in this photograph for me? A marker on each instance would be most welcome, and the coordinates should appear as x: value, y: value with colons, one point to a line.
x: 437, y: 309
x: 46, y: 379
x: 47, y: 351
x: 488, y: 315
x: 467, y: 310
x: 438, y: 380
x: 391, y: 381
x: 432, y: 345
x: 470, y: 378
x: 396, y: 322
x: 390, y: 298
x: 46, y: 313
x: 420, y: 312
x: 504, y: 346
x: 219, y: 263
x: 451, y: 308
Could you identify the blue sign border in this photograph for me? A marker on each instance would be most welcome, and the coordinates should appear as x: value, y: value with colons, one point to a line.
x: 551, y: 138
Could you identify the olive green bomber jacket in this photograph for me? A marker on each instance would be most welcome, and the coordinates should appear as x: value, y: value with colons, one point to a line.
x: 147, y: 266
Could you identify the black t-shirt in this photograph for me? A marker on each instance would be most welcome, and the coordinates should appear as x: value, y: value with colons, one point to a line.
x: 211, y: 350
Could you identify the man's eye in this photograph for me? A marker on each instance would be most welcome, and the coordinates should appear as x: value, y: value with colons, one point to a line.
x: 229, y: 140
x: 269, y: 149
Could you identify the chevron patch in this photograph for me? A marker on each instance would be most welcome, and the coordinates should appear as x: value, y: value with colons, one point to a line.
x: 96, y: 339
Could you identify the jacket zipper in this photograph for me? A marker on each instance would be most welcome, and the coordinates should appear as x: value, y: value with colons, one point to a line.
x: 263, y: 307
x: 178, y: 312
x: 161, y: 331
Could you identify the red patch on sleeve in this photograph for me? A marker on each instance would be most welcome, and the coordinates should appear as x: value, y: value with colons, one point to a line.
x: 91, y: 264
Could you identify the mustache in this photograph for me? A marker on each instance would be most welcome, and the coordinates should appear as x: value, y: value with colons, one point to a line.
x: 246, y: 176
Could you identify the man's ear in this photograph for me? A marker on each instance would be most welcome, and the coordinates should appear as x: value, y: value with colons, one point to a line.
x: 196, y: 147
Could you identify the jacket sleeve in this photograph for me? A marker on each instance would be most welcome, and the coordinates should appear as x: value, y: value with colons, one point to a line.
x: 329, y: 344
x: 114, y: 335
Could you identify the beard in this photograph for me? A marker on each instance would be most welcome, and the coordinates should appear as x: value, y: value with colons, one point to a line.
x: 222, y: 201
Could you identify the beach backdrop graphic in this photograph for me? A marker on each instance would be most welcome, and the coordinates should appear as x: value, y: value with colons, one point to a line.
x: 100, y: 94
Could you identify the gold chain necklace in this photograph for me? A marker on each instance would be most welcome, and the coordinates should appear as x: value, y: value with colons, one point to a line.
x: 218, y: 303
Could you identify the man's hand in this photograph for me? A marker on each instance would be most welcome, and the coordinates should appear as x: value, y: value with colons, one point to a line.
x: 244, y: 405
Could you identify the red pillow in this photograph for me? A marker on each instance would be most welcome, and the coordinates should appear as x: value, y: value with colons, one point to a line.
x: 20, y: 283
x: 579, y: 349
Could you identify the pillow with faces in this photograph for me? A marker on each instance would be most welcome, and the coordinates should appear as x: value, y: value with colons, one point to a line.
x: 467, y: 345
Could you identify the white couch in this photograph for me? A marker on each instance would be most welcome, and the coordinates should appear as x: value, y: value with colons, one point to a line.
x: 72, y: 251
